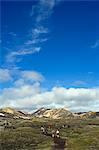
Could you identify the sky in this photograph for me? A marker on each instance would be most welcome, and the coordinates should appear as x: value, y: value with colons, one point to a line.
x: 49, y: 54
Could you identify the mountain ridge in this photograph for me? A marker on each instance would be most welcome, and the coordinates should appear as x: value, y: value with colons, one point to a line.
x: 52, y: 113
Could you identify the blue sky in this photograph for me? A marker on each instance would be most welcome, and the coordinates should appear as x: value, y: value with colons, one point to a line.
x: 52, y: 43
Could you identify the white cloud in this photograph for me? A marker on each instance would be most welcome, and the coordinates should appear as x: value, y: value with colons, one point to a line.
x: 19, y: 82
x: 21, y: 91
x: 32, y: 76
x: 31, y: 96
x: 16, y: 95
x: 95, y: 45
x: 20, y: 77
x: 5, y: 75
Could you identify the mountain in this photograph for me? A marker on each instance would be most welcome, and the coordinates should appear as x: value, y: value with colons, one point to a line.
x: 40, y: 112
x: 53, y: 113
x: 12, y: 113
x: 57, y: 113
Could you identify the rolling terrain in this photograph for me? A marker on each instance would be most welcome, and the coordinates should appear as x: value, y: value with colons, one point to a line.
x: 21, y: 131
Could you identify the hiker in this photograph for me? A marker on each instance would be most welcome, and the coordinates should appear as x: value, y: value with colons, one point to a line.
x: 63, y: 126
x: 6, y: 124
x: 43, y: 130
x: 46, y: 131
x: 49, y: 126
x: 57, y: 133
x: 68, y: 126
x: 53, y: 133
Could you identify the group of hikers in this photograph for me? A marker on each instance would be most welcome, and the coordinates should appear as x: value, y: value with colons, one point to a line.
x: 54, y: 133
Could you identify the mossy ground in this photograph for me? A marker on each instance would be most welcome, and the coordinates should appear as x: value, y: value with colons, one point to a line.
x: 80, y: 135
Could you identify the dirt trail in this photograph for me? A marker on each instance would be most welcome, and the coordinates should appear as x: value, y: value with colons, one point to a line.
x: 59, y: 144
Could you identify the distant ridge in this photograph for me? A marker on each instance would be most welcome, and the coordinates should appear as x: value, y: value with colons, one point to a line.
x: 54, y: 113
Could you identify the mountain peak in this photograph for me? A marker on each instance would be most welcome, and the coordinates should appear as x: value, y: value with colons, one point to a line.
x: 54, y: 113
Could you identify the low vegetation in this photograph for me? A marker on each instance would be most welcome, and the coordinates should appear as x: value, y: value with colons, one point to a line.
x: 76, y: 134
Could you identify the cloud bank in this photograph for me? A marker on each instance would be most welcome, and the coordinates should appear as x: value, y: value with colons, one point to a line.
x: 28, y: 95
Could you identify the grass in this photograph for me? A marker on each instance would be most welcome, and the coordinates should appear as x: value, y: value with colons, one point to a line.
x: 81, y: 135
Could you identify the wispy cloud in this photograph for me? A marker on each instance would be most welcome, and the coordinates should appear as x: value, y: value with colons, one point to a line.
x: 38, y: 33
x: 12, y: 57
x: 12, y: 34
x: 35, y: 41
x: 41, y: 12
x: 39, y: 30
x: 43, y: 9
x: 79, y: 83
x: 95, y: 45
